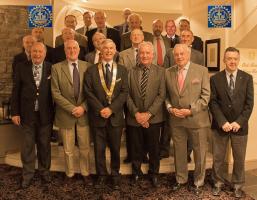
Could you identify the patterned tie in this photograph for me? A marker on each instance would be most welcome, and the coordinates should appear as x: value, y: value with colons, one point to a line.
x: 181, y: 79
x: 36, y: 75
x: 76, y: 81
x: 108, y: 75
x: 143, y: 83
x: 159, y: 52
x: 231, y: 84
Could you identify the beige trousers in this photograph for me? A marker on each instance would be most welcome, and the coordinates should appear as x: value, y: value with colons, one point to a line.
x: 68, y: 137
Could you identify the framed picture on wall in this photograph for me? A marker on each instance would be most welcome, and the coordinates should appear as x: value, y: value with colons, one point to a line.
x: 212, y: 54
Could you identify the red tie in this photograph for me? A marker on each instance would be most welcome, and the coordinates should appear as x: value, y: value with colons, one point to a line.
x: 180, y: 79
x: 159, y: 52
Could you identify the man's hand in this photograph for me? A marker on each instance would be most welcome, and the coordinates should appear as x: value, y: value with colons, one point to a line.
x: 16, y: 120
x: 142, y: 118
x: 78, y: 111
x: 145, y: 125
x: 177, y: 112
x: 106, y: 112
x: 235, y: 127
x: 227, y: 127
x: 185, y: 112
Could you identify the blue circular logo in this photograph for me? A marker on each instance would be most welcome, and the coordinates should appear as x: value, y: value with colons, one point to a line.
x: 219, y: 16
x: 40, y: 16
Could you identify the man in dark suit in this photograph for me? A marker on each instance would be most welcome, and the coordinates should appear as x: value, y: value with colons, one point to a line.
x: 231, y: 104
x: 32, y: 110
x: 145, y: 116
x: 106, y: 88
x: 186, y: 37
x: 111, y: 33
x: 27, y: 42
x: 124, y: 27
x: 134, y: 21
x: 188, y: 93
x: 94, y: 57
x: 87, y: 18
x: 59, y: 53
x: 38, y: 33
x: 170, y: 29
x: 197, y: 44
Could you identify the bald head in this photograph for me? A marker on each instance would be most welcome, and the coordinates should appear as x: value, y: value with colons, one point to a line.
x: 71, y: 48
x: 100, y: 19
x: 157, y: 27
x: 134, y: 21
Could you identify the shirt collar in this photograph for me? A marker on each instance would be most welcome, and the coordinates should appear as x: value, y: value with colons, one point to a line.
x: 234, y: 73
x: 110, y: 63
x: 186, y: 67
x: 70, y: 62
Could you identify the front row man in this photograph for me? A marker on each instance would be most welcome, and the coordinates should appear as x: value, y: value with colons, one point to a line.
x: 71, y: 108
x: 106, y: 88
x: 145, y: 111
x: 32, y: 110
x: 188, y: 93
x: 231, y: 104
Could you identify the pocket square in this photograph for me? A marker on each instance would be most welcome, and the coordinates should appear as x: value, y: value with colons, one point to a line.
x: 49, y: 77
x: 119, y: 79
x: 195, y: 81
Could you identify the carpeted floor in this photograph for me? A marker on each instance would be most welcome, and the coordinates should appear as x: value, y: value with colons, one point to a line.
x: 10, y: 182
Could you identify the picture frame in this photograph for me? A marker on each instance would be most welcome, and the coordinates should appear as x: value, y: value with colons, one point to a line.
x: 212, y: 54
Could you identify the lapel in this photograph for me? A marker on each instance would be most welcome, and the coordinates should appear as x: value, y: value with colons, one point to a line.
x: 187, y: 80
x: 150, y: 80
x: 81, y: 74
x: 65, y: 69
x: 136, y: 78
x: 43, y: 77
x: 30, y: 73
x: 131, y: 57
x: 174, y: 79
x: 239, y: 80
x: 224, y: 82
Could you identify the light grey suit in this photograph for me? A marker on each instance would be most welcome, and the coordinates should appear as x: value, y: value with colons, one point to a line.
x: 128, y: 58
x: 82, y: 29
x: 81, y: 39
x: 196, y: 57
x: 63, y: 95
x: 195, y: 96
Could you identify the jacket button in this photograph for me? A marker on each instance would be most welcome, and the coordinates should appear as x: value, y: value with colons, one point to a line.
x: 229, y: 106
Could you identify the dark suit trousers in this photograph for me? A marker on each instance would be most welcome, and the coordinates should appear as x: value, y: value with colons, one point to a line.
x: 220, y: 144
x: 102, y: 136
x: 142, y: 137
x: 35, y: 133
x: 165, y: 139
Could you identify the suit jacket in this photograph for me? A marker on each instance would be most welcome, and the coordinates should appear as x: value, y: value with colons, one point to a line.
x: 197, y: 44
x: 126, y: 42
x: 59, y: 54
x: 81, y: 30
x: 81, y: 39
x: 154, y: 99
x: 174, y: 41
x: 127, y: 58
x: 112, y: 34
x: 120, y: 28
x: 229, y: 109
x: 63, y: 95
x: 194, y: 95
x: 25, y: 91
x: 196, y: 57
x: 19, y: 58
x: 166, y: 49
x: 96, y: 97
x: 90, y: 57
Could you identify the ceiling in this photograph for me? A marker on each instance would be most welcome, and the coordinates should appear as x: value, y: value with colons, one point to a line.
x: 135, y: 5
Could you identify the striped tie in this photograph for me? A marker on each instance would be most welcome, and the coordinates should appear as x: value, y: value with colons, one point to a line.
x: 143, y: 83
x: 137, y: 58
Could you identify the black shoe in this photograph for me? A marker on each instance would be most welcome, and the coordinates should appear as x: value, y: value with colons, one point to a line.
x: 238, y: 193
x: 116, y: 183
x: 100, y: 182
x: 197, y: 190
x: 154, y: 181
x: 177, y: 186
x: 87, y: 180
x: 127, y: 160
x: 46, y: 178
x: 164, y: 155
x: 135, y: 178
x: 189, y: 159
x: 216, y: 191
x: 25, y: 183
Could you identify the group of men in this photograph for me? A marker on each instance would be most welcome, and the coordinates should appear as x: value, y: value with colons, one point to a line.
x: 132, y: 89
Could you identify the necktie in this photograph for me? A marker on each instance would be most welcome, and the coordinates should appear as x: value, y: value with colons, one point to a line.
x: 108, y: 75
x: 180, y: 79
x: 137, y: 58
x: 159, y: 52
x: 143, y: 83
x: 36, y: 75
x: 101, y: 30
x: 231, y: 84
x: 76, y: 81
x: 126, y: 29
